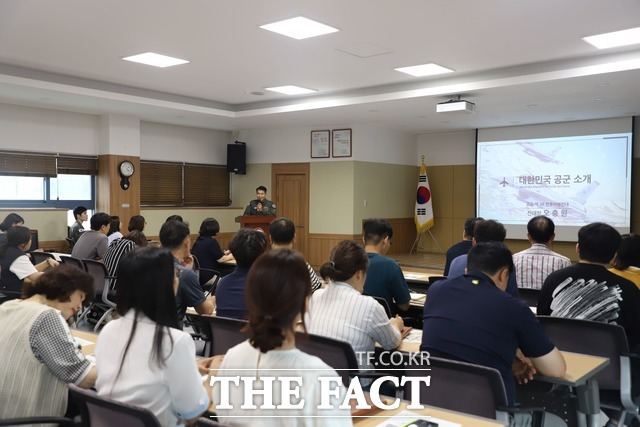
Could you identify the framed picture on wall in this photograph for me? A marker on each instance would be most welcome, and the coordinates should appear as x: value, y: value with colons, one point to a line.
x: 320, y: 144
x: 341, y: 143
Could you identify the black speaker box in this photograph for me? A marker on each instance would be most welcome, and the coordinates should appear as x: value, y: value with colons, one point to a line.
x: 237, y: 158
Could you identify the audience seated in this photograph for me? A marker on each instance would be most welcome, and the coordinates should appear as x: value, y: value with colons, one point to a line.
x: 143, y: 358
x: 80, y: 215
x: 282, y: 233
x: 15, y: 266
x: 246, y: 246
x: 278, y: 288
x: 485, y: 231
x: 92, y: 243
x: 533, y: 265
x: 340, y: 310
x: 385, y: 278
x: 137, y: 222
x: 207, y: 249
x: 617, y: 299
x: 10, y: 220
x: 472, y: 319
x: 120, y: 247
x: 174, y: 235
x: 38, y: 354
x: 462, y: 247
x: 114, y: 230
x: 627, y: 261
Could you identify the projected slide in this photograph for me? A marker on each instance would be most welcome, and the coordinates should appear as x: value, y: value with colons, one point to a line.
x: 573, y: 180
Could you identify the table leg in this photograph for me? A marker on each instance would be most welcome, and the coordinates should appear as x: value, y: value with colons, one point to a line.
x: 589, y: 402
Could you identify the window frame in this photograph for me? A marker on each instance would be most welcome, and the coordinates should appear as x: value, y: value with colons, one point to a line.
x: 48, y: 202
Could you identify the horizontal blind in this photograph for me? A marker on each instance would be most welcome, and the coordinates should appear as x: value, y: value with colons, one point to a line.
x: 77, y: 165
x: 206, y: 185
x: 24, y: 164
x: 160, y: 184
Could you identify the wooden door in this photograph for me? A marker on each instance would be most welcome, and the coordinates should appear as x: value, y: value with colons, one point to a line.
x: 292, y: 199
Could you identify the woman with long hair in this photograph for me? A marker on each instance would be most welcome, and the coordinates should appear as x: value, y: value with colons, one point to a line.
x: 277, y: 290
x: 120, y: 247
x: 627, y: 261
x: 142, y: 358
x: 39, y: 357
x: 340, y: 311
x: 15, y: 266
x: 9, y: 221
x: 114, y: 232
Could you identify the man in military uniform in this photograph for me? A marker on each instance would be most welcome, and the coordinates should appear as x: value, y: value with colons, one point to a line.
x: 260, y: 206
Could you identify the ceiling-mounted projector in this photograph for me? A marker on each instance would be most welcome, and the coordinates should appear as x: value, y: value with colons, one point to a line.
x: 456, y: 106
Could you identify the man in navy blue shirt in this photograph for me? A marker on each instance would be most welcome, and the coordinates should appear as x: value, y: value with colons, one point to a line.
x: 472, y: 319
x: 462, y: 247
x: 246, y: 246
x: 174, y: 235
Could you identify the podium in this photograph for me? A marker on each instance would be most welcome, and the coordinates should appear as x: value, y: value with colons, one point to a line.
x: 258, y: 221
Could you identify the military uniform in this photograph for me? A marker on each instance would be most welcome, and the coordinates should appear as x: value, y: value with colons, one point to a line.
x: 268, y: 208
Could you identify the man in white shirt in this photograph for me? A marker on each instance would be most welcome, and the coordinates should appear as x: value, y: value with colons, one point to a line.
x: 533, y: 265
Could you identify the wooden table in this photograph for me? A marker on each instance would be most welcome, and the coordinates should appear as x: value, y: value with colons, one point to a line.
x: 88, y: 349
x: 464, y: 420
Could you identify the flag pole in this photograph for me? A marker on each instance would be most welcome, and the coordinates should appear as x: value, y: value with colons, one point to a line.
x: 423, y: 213
x: 415, y: 243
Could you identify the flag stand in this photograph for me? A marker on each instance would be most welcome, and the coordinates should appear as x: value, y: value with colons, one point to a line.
x: 415, y: 243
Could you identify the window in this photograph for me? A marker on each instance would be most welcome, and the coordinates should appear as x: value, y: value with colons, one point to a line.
x: 31, y: 180
x: 178, y: 184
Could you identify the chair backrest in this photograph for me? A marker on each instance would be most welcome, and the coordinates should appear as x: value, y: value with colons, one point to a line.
x: 383, y: 302
x: 8, y: 295
x: 99, y: 411
x: 580, y: 336
x: 434, y: 279
x: 76, y: 262
x: 530, y: 296
x: 458, y: 386
x: 224, y: 333
x: 335, y: 353
x: 38, y: 257
x: 70, y: 242
x: 98, y: 271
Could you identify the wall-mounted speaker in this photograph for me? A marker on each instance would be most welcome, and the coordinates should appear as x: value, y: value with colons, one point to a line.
x: 237, y: 158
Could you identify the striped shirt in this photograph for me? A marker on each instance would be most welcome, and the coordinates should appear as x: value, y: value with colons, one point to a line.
x: 340, y: 312
x: 533, y: 265
x: 114, y: 253
x: 316, y: 283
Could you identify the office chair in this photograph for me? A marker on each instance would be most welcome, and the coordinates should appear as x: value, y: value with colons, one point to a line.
x: 224, y: 333
x: 603, y: 340
x: 465, y: 387
x: 73, y: 261
x: 530, y: 296
x: 335, y: 353
x: 37, y: 257
x: 70, y: 242
x: 211, y: 284
x: 8, y: 295
x: 383, y: 302
x: 99, y: 411
x: 105, y: 297
x: 200, y: 333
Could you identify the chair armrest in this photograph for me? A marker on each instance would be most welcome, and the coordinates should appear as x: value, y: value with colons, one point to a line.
x: 537, y: 413
x: 39, y: 420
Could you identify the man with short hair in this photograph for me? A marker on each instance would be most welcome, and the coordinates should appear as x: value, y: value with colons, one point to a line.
x: 260, y: 206
x: 92, y: 243
x: 282, y: 233
x: 175, y: 236
x: 462, y: 247
x: 533, y: 265
x: 384, y: 276
x: 246, y: 246
x: 80, y: 215
x: 603, y: 295
x: 472, y: 319
x: 484, y: 231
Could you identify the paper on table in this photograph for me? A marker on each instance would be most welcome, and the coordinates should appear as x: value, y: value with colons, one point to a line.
x: 415, y: 276
x: 414, y: 336
x: 404, y: 418
x: 416, y: 296
x: 82, y: 342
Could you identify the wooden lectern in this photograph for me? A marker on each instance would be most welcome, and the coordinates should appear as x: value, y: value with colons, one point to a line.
x: 258, y: 221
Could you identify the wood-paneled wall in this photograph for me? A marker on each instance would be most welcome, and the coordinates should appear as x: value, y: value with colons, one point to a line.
x: 113, y: 199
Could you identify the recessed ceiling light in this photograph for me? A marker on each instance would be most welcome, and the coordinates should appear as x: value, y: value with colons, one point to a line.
x: 424, y: 70
x: 155, y: 59
x: 599, y: 99
x: 615, y: 39
x: 291, y: 90
x: 299, y: 28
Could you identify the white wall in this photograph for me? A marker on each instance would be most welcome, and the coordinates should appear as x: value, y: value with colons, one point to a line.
x: 51, y: 131
x: 292, y: 145
x: 449, y: 148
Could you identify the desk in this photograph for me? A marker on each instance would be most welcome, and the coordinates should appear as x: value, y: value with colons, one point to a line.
x: 464, y: 420
x: 87, y: 349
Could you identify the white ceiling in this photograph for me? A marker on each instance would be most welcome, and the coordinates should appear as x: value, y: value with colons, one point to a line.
x: 520, y: 61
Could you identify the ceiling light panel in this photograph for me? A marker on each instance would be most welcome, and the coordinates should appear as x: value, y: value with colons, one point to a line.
x: 615, y: 39
x: 424, y: 70
x: 155, y: 59
x: 299, y: 28
x: 291, y: 90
